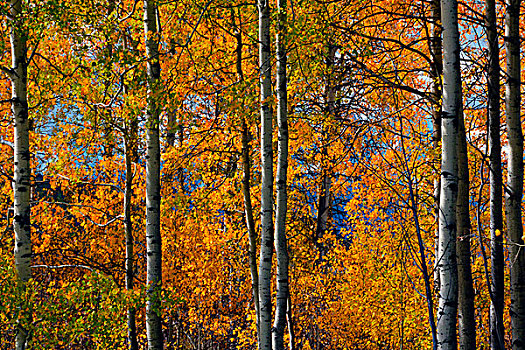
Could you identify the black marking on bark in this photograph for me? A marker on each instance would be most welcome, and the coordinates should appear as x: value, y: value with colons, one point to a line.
x: 450, y: 303
x: 155, y: 70
x: 26, y: 155
x: 447, y: 115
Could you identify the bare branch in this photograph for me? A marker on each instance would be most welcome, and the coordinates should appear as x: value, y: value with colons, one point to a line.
x: 64, y: 266
x: 8, y: 71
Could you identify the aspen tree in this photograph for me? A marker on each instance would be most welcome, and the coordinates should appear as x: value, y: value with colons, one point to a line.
x: 436, y: 72
x: 130, y: 131
x: 153, y: 238
x: 265, y: 260
x: 448, y: 290
x: 514, y: 190
x: 496, y: 214
x: 128, y: 194
x: 466, y: 312
x: 281, y: 248
x: 248, y: 208
x: 130, y: 155
x: 22, y: 168
x: 326, y: 181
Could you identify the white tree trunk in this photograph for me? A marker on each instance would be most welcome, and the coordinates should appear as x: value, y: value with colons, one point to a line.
x: 248, y: 208
x: 22, y: 169
x: 514, y: 192
x: 448, y: 291
x: 281, y: 248
x: 265, y: 261
x: 153, y: 238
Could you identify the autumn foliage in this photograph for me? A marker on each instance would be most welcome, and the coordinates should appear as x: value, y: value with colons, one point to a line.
x: 359, y: 285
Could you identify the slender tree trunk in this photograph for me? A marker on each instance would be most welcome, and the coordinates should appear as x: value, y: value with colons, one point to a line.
x: 496, y: 213
x: 250, y: 222
x: 180, y: 170
x: 128, y: 195
x: 289, y: 318
x: 436, y: 72
x: 130, y: 154
x: 513, y: 194
x: 423, y: 259
x: 22, y: 168
x: 448, y: 290
x: 324, y: 200
x: 248, y: 208
x: 153, y: 238
x: 466, y: 314
x: 323, y: 207
x: 175, y: 132
x: 171, y: 129
x: 281, y: 248
x: 265, y: 260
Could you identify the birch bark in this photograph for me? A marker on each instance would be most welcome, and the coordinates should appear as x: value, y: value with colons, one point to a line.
x: 265, y: 260
x: 22, y: 169
x: 153, y: 238
x: 448, y: 291
x: 248, y: 208
x: 281, y: 248
x: 514, y: 192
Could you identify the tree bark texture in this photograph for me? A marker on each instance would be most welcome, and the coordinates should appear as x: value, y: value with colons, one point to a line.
x: 514, y: 191
x: 280, y: 239
x: 248, y: 207
x: 128, y: 195
x: 171, y: 129
x: 496, y: 182
x: 466, y: 312
x: 153, y: 238
x: 265, y: 259
x: 22, y: 167
x: 448, y: 290
x: 436, y: 72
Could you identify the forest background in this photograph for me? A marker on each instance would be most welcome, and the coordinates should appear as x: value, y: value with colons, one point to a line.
x: 364, y: 119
